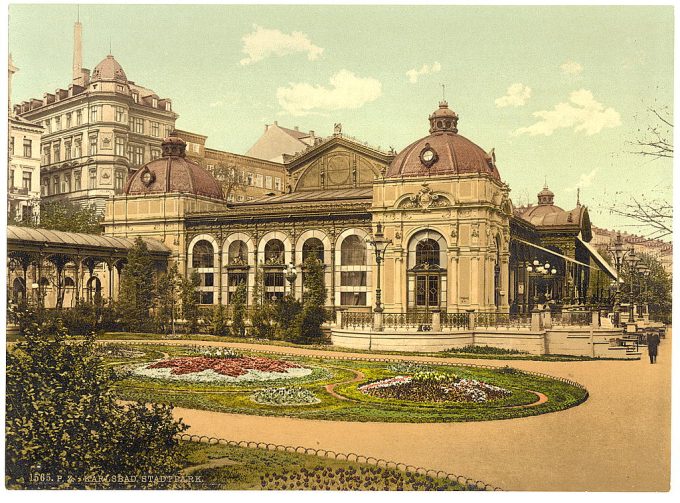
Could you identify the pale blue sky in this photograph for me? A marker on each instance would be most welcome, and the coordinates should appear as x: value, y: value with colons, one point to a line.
x: 231, y: 69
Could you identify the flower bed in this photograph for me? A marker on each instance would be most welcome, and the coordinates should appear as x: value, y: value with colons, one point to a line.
x: 222, y: 369
x: 117, y: 351
x: 284, y: 396
x: 434, y: 387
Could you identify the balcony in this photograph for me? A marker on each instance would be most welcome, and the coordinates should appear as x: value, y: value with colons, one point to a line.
x: 18, y: 191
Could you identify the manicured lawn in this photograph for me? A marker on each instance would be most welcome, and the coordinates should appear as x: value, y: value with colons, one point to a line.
x: 347, y: 403
x: 237, y: 468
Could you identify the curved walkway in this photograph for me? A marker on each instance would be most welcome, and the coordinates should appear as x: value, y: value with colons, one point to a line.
x: 618, y: 440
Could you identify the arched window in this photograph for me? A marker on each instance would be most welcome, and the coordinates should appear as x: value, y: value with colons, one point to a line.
x: 273, y: 252
x: 203, y: 255
x: 68, y: 282
x: 313, y: 247
x: 238, y: 253
x: 427, y: 252
x: 353, y: 251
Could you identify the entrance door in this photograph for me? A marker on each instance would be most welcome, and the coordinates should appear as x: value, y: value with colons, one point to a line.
x: 427, y: 291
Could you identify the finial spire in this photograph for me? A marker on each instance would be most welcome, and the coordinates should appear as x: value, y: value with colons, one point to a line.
x: 578, y: 197
x: 443, y: 92
x: 78, y: 13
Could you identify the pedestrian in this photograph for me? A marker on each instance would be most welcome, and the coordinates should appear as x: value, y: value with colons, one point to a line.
x: 653, y: 346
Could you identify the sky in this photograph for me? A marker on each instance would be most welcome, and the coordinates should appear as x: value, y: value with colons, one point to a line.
x: 560, y: 93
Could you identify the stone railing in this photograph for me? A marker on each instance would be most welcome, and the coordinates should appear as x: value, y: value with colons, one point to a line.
x: 502, y: 320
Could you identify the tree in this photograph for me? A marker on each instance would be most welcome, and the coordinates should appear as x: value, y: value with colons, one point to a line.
x: 313, y: 315
x: 238, y: 320
x: 655, y: 290
x: 68, y: 217
x: 263, y: 311
x: 64, y: 427
x: 229, y: 179
x: 656, y: 139
x: 218, y: 323
x: 189, y: 297
x: 137, y: 288
x: 168, y: 289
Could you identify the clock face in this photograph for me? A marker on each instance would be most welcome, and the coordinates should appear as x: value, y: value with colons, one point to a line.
x: 146, y: 177
x: 428, y: 155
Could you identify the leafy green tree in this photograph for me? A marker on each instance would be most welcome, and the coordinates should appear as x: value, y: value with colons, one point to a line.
x: 64, y: 427
x: 168, y: 289
x: 68, y: 217
x: 261, y: 318
x: 238, y: 320
x: 189, y: 297
x: 218, y: 323
x: 309, y: 321
x: 287, y: 312
x: 137, y: 288
x: 655, y: 290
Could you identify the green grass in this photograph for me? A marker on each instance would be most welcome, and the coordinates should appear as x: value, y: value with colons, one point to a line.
x: 222, y: 467
x: 236, y: 398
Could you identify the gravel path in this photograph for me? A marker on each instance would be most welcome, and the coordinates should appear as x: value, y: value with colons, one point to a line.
x: 618, y: 440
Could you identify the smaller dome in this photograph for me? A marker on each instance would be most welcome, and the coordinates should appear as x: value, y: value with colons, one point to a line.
x: 109, y: 69
x: 546, y: 196
x: 173, y: 173
x: 443, y: 119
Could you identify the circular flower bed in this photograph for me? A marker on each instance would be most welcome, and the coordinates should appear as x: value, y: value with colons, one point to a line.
x: 284, y: 396
x: 117, y: 351
x: 434, y: 387
x: 221, y: 369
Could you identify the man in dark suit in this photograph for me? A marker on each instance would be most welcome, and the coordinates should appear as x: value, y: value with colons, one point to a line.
x: 653, y: 346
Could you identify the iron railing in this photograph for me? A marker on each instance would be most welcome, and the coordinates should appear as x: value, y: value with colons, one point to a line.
x: 572, y: 319
x: 421, y: 320
x: 460, y: 321
x: 356, y: 319
x: 505, y: 320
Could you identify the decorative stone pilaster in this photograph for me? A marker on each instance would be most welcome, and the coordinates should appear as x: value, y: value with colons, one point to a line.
x: 436, y: 321
x: 536, y: 320
x: 377, y: 321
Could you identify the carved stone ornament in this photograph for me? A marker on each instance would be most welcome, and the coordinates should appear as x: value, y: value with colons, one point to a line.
x: 474, y: 233
x: 425, y: 199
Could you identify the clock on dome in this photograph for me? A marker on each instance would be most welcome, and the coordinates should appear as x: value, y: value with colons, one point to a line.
x: 428, y: 156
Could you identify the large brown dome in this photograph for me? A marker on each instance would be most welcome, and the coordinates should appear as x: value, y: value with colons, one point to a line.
x: 173, y: 173
x: 109, y: 69
x: 443, y: 152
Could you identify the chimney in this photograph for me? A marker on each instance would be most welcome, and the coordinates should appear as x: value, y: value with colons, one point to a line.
x: 78, y: 53
x: 266, y: 128
x: 311, y: 134
x: 276, y: 123
x: 12, y: 70
x: 297, y: 128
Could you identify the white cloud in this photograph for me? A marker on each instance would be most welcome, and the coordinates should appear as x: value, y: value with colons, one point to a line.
x: 426, y: 69
x: 346, y: 91
x: 581, y: 113
x: 516, y: 96
x: 585, y: 180
x: 570, y: 67
x: 263, y: 43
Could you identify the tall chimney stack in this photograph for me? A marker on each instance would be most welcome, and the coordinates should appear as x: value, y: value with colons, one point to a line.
x: 78, y: 53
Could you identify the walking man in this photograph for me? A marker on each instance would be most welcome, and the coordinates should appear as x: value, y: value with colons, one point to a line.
x: 653, y: 346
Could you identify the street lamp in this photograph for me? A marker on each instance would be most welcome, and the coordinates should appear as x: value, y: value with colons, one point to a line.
x: 619, y: 254
x: 643, y: 272
x: 538, y: 269
x: 632, y: 262
x: 379, y: 244
x: 291, y: 275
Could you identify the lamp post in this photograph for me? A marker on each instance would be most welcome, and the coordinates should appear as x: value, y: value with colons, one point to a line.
x: 290, y: 273
x: 632, y: 262
x: 379, y: 244
x: 538, y: 269
x: 618, y: 253
x: 643, y: 273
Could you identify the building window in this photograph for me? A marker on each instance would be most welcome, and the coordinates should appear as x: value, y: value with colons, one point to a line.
x: 155, y: 129
x: 274, y: 252
x: 68, y: 120
x: 93, y: 145
x: 167, y: 106
x: 45, y: 187
x: 79, y: 117
x: 57, y: 152
x: 138, y: 125
x: 120, y: 146
x: 48, y: 125
x: 47, y: 155
x: 11, y: 145
x: 76, y: 180
x: 230, y: 198
x: 203, y: 255
x: 66, y: 184
x: 138, y: 156
x: 155, y: 153
x: 135, y: 97
x: 92, y: 182
x: 119, y: 181
x: 268, y: 182
x: 119, y: 88
x: 28, y: 148
x: 93, y: 114
x: 154, y: 102
x: 55, y: 185
x: 249, y: 179
x: 240, y: 199
x: 353, y: 251
x: 25, y: 180
x: 277, y: 183
x: 78, y: 148
x: 10, y: 181
x: 67, y: 150
x: 259, y: 180
x: 57, y: 123
x: 120, y: 114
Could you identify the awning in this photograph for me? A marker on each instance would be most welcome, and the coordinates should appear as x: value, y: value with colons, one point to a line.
x: 602, y: 263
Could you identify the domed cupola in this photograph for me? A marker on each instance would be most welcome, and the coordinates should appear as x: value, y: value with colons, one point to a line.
x: 173, y: 173
x: 444, y: 119
x: 443, y: 152
x: 109, y: 69
x: 546, y: 196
